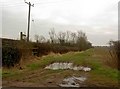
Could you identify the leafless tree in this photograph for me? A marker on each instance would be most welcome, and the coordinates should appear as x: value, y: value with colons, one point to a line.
x: 68, y: 36
x: 42, y: 39
x: 73, y: 37
x: 82, y: 40
x: 36, y: 38
x: 82, y: 34
x: 52, y: 35
x: 61, y: 37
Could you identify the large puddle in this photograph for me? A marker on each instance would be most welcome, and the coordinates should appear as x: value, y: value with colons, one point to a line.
x: 57, y: 66
x: 73, y: 81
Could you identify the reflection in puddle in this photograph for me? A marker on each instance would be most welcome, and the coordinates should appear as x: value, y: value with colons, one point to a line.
x: 56, y: 66
x: 72, y: 81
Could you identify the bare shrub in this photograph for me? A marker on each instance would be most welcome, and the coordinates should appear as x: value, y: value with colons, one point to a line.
x: 115, y: 53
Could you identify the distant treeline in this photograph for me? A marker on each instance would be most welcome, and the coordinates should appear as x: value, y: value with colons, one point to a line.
x: 63, y: 42
x: 69, y: 39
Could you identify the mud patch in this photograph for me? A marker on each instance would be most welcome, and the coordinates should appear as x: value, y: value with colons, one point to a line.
x: 73, y: 81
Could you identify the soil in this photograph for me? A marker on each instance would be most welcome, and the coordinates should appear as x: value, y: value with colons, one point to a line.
x: 43, y: 79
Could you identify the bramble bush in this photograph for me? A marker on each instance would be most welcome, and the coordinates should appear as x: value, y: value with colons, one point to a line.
x: 10, y: 56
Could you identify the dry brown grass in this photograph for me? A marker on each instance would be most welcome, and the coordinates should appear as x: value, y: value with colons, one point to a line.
x: 107, y: 56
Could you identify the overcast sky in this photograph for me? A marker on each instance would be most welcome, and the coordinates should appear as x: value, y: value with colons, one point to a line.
x: 97, y: 18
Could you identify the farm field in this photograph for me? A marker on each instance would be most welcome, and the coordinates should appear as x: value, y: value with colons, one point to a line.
x: 60, y: 44
x: 34, y: 74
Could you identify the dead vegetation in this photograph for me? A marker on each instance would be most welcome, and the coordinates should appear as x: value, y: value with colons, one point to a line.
x: 115, y: 54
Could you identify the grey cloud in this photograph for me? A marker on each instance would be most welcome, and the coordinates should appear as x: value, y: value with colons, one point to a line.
x: 14, y: 20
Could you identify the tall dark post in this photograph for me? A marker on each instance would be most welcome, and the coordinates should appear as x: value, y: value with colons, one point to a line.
x: 21, y: 36
x: 29, y: 20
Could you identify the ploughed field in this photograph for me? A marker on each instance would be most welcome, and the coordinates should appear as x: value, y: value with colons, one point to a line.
x: 74, y: 69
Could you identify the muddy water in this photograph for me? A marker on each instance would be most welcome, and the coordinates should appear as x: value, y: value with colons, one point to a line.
x: 73, y: 81
x: 57, y: 66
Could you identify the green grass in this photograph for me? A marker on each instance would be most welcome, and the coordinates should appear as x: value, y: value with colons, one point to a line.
x: 75, y: 57
x: 9, y: 73
x: 101, y: 71
x: 107, y: 72
x: 78, y: 58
